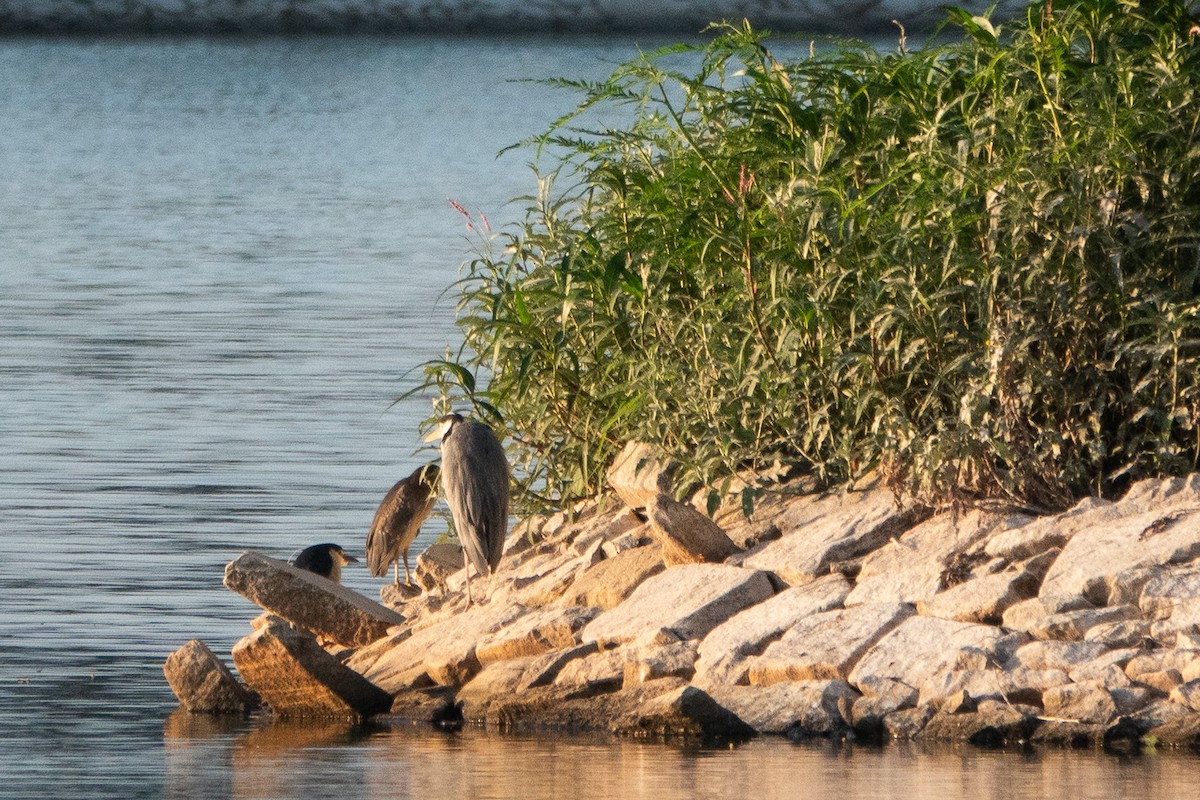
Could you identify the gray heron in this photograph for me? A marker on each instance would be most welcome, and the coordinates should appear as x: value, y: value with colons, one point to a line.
x: 325, y: 560
x: 398, y: 521
x: 475, y: 479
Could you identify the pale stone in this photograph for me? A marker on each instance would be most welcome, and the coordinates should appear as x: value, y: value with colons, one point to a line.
x: 881, y: 696
x: 203, y: 683
x: 799, y: 708
x: 949, y: 691
x: 1064, y: 656
x: 827, y: 645
x: 651, y: 662
x: 725, y: 652
x: 818, y: 532
x: 1100, y: 668
x: 436, y: 564
x: 683, y: 712
x: 686, y: 535
x: 1073, y: 625
x: 315, y: 603
x: 1157, y: 522
x: 443, y: 652
x: 1026, y: 686
x: 543, y: 669
x: 982, y: 599
x: 498, y: 679
x: 1029, y: 613
x: 599, y: 671
x: 609, y: 583
x: 537, y: 632
x: 1179, y: 661
x: 921, y: 647
x: 297, y: 678
x: 1045, y: 533
x: 1168, y: 589
x: 637, y: 475
x: 691, y: 599
x: 1080, y: 702
x: 914, y: 566
x: 1119, y: 635
x: 1184, y: 621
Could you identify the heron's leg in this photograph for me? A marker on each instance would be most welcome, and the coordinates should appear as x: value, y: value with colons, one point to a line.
x: 407, y: 577
x: 396, y: 566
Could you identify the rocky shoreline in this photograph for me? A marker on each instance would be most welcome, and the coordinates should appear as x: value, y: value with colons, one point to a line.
x: 843, y: 614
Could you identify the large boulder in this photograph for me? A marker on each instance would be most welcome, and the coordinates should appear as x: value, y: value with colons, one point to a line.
x: 609, y: 583
x: 311, y: 601
x: 827, y: 645
x: 688, y: 600
x: 726, y: 652
x: 296, y: 677
x: 203, y: 683
x: 801, y: 709
x: 819, y: 531
x: 539, y: 631
x: 914, y: 567
x: 1157, y: 522
x: 922, y: 647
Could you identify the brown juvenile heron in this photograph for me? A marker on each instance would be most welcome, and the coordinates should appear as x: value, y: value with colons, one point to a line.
x: 398, y: 521
x: 326, y: 560
x: 475, y: 479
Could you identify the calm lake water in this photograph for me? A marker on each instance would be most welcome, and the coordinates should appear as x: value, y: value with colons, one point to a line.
x: 218, y: 259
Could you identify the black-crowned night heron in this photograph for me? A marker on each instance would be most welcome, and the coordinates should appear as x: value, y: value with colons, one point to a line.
x: 398, y: 521
x: 475, y: 479
x: 326, y: 560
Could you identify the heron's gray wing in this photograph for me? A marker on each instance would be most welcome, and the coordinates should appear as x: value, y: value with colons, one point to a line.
x: 397, y: 522
x: 475, y: 476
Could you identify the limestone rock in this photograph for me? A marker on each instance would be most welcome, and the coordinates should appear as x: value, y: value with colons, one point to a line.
x: 921, y: 647
x: 1168, y: 589
x: 691, y: 599
x: 1074, y: 625
x: 537, y: 632
x: 609, y: 583
x: 802, y: 709
x: 602, y: 671
x: 1169, y: 723
x: 436, y: 564
x: 686, y: 712
x: 1063, y: 656
x: 203, y: 683
x: 651, y: 662
x: 1119, y: 635
x: 1080, y: 702
x: 834, y: 527
x: 1187, y: 694
x: 1183, y: 621
x: 725, y: 652
x: 983, y: 599
x: 297, y: 678
x: 827, y: 645
x: 328, y: 609
x: 992, y: 724
x: 443, y: 652
x: 1157, y: 522
x: 637, y: 475
x: 686, y: 535
x: 544, y: 669
x: 1030, y: 613
x: 913, y: 567
x: 1101, y: 668
x: 1046, y: 533
x: 880, y: 697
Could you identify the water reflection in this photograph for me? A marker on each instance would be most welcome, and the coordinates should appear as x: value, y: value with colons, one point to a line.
x: 253, y: 759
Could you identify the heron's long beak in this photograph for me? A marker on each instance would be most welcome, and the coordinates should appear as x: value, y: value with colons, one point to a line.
x: 349, y: 558
x: 438, y: 432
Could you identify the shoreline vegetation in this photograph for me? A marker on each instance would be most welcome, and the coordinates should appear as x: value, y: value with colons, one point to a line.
x: 911, y: 339
x: 972, y: 267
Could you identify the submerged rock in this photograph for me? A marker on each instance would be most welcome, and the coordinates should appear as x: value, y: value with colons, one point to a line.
x: 203, y: 683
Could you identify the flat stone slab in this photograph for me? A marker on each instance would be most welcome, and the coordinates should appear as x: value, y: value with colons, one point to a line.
x: 921, y: 647
x: 983, y: 599
x: 296, y: 677
x: 725, y: 653
x: 689, y: 600
x: 303, y: 598
x: 609, y: 583
x: 819, y: 531
x: 537, y: 632
x: 686, y: 712
x: 1157, y: 522
x: 442, y: 652
x: 827, y: 645
x: 914, y: 566
x: 203, y: 683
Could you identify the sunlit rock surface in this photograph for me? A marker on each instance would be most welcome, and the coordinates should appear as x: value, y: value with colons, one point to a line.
x: 400, y: 16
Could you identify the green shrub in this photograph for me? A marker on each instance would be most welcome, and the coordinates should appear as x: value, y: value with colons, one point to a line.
x: 974, y: 267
